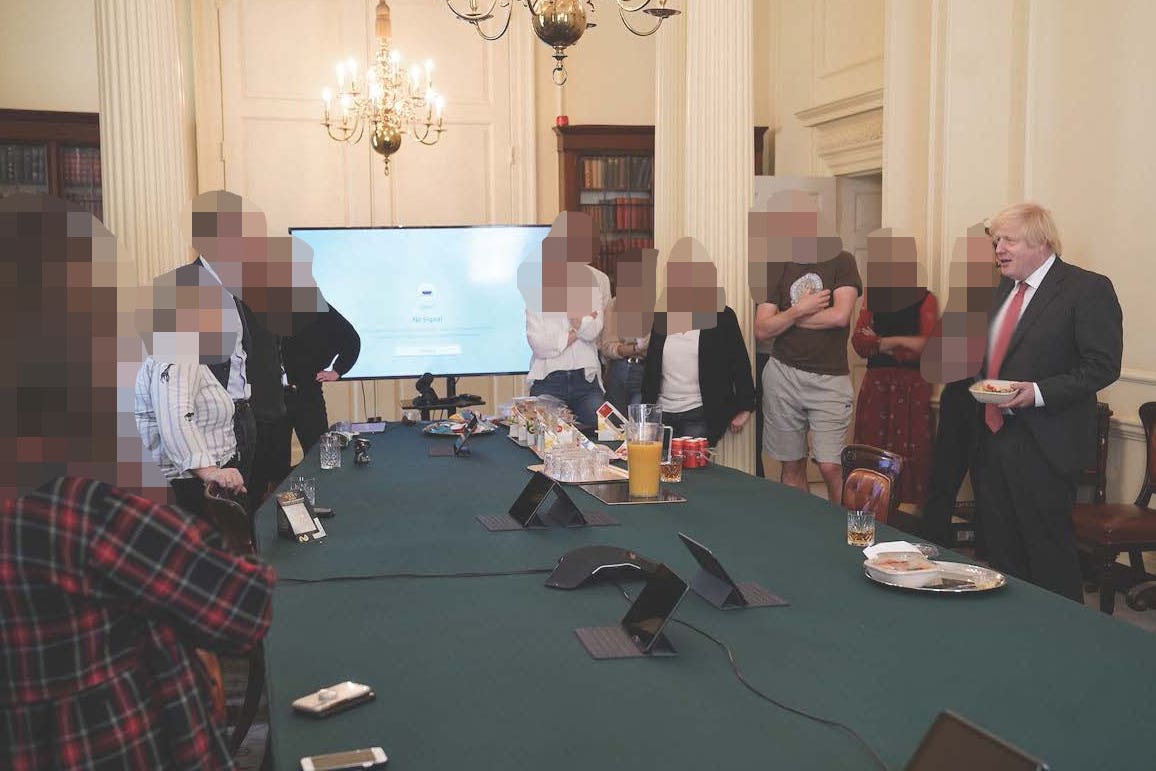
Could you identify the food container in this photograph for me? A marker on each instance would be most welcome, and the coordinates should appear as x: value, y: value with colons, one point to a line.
x: 992, y: 391
x: 910, y: 569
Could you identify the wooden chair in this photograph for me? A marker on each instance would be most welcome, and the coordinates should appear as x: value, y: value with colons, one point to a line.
x: 871, y: 480
x: 234, y: 524
x: 1105, y: 530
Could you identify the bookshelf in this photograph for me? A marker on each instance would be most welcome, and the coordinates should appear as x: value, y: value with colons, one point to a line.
x: 608, y: 173
x: 51, y: 152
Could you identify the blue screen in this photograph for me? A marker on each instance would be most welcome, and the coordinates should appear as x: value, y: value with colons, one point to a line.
x: 440, y: 300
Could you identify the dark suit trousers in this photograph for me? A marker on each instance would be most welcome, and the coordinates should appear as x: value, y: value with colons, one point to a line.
x: 1025, y: 506
x: 952, y: 456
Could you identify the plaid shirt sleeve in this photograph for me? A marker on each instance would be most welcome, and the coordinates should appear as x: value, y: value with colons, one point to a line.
x: 163, y: 562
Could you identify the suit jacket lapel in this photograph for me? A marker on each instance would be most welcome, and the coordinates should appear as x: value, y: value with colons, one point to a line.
x: 1047, y: 291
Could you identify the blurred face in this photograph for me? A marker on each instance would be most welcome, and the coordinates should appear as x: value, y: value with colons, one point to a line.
x: 892, y: 275
x: 1016, y: 257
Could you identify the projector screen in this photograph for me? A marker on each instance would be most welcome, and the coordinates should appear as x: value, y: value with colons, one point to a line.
x: 433, y: 299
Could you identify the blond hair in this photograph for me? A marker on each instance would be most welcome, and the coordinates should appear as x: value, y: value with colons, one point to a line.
x: 1035, y: 224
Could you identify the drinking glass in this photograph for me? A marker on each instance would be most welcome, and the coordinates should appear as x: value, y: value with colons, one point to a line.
x: 672, y: 469
x: 307, y: 486
x: 644, y: 449
x: 860, y: 528
x: 330, y: 451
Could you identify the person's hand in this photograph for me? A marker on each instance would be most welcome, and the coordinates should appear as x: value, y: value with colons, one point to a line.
x: 813, y: 302
x: 227, y: 479
x: 571, y: 336
x: 1025, y: 396
x: 327, y: 376
x: 740, y: 420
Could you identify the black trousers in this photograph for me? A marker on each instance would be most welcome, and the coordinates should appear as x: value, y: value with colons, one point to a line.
x: 245, y: 430
x: 689, y: 423
x: 952, y: 456
x: 761, y: 360
x: 305, y: 414
x: 266, y: 472
x: 1025, y: 505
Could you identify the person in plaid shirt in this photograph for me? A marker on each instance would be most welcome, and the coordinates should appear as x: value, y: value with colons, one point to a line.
x: 104, y: 592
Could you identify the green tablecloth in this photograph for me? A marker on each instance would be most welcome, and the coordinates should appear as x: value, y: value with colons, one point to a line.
x: 486, y: 672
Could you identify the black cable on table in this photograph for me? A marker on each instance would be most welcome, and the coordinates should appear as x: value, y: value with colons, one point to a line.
x: 794, y: 710
x: 385, y: 576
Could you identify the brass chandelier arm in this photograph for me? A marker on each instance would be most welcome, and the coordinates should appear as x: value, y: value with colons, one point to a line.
x: 474, y: 15
x: 632, y: 9
x: 622, y: 15
x: 495, y: 36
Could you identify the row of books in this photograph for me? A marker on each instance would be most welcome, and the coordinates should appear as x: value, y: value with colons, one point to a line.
x: 618, y: 172
x: 27, y: 164
x: 81, y: 166
x: 622, y: 214
x: 22, y: 164
x: 616, y: 246
x: 91, y: 201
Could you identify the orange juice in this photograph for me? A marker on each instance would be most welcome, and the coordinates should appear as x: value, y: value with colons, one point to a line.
x: 642, y: 460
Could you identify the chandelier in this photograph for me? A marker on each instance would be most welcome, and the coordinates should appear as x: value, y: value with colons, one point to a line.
x: 390, y: 102
x: 557, y: 23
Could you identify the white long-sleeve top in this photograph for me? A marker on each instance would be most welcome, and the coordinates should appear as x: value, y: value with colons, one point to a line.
x: 549, y: 332
x: 184, y: 417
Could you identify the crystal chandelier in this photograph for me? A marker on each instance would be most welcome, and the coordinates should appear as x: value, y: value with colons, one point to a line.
x: 390, y: 102
x: 557, y: 23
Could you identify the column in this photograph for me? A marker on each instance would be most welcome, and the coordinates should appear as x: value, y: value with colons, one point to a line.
x: 669, y: 139
x: 719, y: 162
x: 146, y: 157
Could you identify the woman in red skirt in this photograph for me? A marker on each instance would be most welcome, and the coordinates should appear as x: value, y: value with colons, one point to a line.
x: 894, y: 407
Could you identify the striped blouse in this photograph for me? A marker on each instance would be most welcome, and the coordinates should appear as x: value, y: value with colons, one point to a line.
x: 184, y: 416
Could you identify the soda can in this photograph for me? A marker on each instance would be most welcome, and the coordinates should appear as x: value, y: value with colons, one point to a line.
x: 700, y: 452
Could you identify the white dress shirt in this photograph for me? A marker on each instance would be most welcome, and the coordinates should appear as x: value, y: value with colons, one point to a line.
x: 1033, y: 282
x: 680, y: 390
x: 549, y: 332
x: 184, y: 417
x: 238, y: 386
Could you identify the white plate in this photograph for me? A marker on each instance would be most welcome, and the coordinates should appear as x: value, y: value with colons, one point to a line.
x: 991, y: 397
x: 954, y: 578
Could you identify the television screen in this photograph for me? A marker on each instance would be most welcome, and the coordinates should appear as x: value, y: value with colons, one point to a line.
x: 432, y: 299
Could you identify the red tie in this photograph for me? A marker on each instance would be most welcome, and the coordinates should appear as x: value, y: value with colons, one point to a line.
x: 992, y: 414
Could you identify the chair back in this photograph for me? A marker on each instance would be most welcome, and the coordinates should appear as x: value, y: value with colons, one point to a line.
x: 871, y: 480
x: 1148, y: 418
x: 1097, y: 476
x: 230, y: 518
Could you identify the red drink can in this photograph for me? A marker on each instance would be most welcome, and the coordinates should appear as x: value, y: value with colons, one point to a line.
x: 687, y: 445
x: 677, y: 447
x: 700, y: 452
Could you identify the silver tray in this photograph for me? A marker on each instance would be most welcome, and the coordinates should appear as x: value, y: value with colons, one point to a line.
x: 609, y: 474
x: 954, y: 578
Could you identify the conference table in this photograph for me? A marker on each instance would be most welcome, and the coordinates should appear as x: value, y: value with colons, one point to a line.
x: 476, y: 665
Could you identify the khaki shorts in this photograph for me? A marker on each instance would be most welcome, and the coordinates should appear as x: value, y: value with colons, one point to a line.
x: 793, y: 402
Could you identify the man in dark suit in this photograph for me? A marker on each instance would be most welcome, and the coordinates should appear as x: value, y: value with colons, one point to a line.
x: 1058, y: 335
x: 321, y: 352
